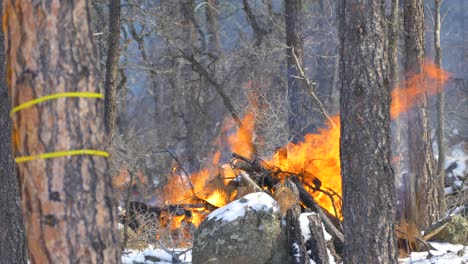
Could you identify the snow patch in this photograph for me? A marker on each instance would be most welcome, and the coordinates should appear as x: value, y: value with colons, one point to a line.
x: 153, y: 255
x: 258, y: 201
x: 304, y: 222
x: 445, y: 253
x: 327, y: 236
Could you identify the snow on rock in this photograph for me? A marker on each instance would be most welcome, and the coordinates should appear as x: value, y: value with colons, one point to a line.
x: 258, y: 201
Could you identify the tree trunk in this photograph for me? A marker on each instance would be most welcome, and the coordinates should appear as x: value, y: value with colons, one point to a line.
x: 368, y: 184
x: 112, y: 68
x: 440, y: 115
x: 393, y: 25
x: 421, y: 164
x: 67, y: 200
x: 12, y: 240
x: 299, y: 100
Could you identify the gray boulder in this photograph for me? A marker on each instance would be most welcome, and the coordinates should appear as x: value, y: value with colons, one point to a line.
x: 245, y: 231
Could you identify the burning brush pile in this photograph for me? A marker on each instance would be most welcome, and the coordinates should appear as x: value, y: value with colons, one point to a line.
x: 305, y: 173
x: 312, y: 165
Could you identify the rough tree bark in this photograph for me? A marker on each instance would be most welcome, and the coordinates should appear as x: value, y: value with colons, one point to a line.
x: 440, y: 114
x: 67, y: 201
x: 393, y: 25
x: 421, y: 161
x: 368, y: 183
x: 298, y: 98
x: 12, y: 239
x: 112, y: 67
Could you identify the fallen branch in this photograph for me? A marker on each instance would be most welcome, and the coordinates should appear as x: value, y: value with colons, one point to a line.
x: 437, y: 227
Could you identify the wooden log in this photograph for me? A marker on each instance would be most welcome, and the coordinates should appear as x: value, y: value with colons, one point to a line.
x: 295, y: 239
x: 317, y: 243
x: 287, y: 195
x: 309, y: 202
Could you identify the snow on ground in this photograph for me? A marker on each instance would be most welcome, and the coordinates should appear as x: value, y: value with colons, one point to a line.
x: 153, y: 255
x: 258, y: 201
x: 456, y: 166
x: 445, y: 254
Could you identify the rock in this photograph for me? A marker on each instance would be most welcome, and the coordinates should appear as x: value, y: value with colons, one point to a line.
x: 245, y: 231
x: 456, y: 231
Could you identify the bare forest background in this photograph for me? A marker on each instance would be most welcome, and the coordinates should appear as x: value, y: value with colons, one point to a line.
x: 187, y: 67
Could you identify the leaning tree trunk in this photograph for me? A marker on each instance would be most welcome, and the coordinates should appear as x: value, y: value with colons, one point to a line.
x: 440, y: 114
x: 299, y: 100
x: 421, y: 161
x: 368, y: 184
x: 67, y: 198
x: 12, y: 240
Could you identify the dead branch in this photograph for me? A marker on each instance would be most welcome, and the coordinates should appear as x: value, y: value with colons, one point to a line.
x: 311, y: 88
x: 437, y: 227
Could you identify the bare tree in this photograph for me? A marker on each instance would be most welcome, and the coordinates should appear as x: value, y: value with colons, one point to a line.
x: 12, y: 239
x: 440, y: 114
x: 423, y: 179
x: 368, y: 184
x: 68, y: 208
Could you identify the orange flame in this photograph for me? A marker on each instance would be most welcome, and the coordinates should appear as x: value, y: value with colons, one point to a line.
x: 242, y: 141
x: 431, y: 81
x: 315, y: 158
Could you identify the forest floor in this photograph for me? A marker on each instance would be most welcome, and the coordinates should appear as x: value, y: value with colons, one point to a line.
x: 445, y: 253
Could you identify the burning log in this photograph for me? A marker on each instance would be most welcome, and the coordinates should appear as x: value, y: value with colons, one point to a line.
x: 269, y: 177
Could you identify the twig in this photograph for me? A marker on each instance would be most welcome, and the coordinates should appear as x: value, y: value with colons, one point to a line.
x: 175, y: 257
x: 182, y: 169
x: 311, y: 87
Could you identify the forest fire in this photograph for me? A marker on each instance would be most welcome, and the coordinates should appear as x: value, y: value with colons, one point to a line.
x: 315, y: 160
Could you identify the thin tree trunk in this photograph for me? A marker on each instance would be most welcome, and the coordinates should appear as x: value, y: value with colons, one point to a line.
x: 368, y: 184
x: 421, y: 161
x: 68, y: 208
x: 440, y: 115
x: 112, y: 67
x: 12, y: 239
x: 298, y: 97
